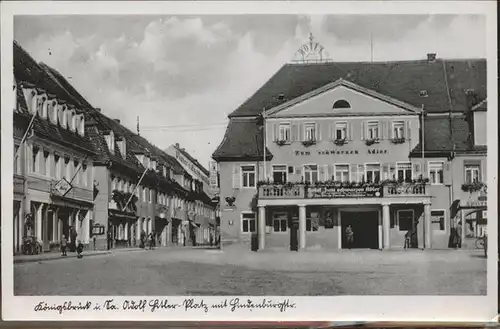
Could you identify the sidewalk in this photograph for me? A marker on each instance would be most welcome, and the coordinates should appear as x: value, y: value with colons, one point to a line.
x: 57, y: 255
x: 88, y: 253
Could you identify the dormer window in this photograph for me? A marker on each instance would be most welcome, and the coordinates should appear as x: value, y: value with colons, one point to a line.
x: 81, y: 125
x: 40, y: 106
x: 341, y: 104
x: 164, y: 171
x: 110, y: 141
x: 52, y: 111
x: 72, y: 120
x: 63, y: 116
x: 423, y: 93
x: 29, y: 94
x: 45, y: 108
x: 122, y: 145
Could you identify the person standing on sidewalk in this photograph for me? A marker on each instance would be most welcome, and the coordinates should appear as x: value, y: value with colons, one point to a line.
x: 64, y: 245
x: 349, y: 236
x: 79, y: 249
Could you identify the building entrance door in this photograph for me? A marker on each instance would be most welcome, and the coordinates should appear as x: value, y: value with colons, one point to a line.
x: 364, y: 226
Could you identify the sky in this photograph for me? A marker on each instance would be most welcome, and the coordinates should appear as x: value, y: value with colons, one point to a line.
x: 182, y: 75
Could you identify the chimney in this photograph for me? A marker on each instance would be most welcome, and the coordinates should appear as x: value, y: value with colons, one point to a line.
x: 177, y: 145
x: 117, y: 120
x: 431, y: 57
x: 98, y: 109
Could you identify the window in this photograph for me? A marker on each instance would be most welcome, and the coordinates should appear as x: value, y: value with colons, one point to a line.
x: 404, y: 172
x: 341, y: 104
x: 17, y: 157
x: 34, y: 159
x: 340, y: 130
x: 372, y: 130
x: 405, y: 219
x: 77, y: 169
x: 312, y: 224
x: 310, y: 131
x: 46, y: 163
x: 280, y: 221
x: 398, y: 129
x: 472, y: 173
x: 342, y: 173
x: 67, y: 169
x: 436, y: 172
x: 57, y: 166
x: 361, y: 173
x: 145, y: 194
x: 248, y: 176
x: 151, y: 193
x: 284, y: 132
x: 279, y: 174
x: 373, y: 173
x: 84, y: 175
x: 248, y: 224
x: 311, y: 173
x: 437, y: 220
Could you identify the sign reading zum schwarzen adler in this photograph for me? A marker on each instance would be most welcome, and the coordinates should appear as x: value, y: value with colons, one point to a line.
x: 330, y: 192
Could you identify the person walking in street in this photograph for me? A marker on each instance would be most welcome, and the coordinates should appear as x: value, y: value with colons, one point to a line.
x: 109, y: 238
x: 349, y: 236
x: 151, y: 241
x: 64, y: 245
x: 73, y: 237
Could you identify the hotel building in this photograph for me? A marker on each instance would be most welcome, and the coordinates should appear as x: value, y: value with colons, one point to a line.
x: 322, y: 146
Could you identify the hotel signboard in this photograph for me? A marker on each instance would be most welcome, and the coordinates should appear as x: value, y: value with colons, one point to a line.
x: 331, y: 192
x: 337, y: 152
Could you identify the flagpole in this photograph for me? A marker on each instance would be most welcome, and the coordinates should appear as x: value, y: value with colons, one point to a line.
x: 136, y: 187
x: 25, y: 135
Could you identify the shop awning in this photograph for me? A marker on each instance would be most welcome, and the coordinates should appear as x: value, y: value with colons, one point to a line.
x: 70, y: 202
x: 121, y: 214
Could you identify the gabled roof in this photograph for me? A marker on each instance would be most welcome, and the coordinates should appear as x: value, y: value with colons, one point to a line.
x: 243, y: 140
x: 402, y: 81
x: 192, y: 159
x: 28, y: 72
x: 347, y: 84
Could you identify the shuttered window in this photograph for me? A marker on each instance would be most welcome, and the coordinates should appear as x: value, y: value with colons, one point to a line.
x: 248, y: 176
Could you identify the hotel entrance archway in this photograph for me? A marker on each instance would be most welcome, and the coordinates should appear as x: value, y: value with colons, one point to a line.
x: 364, y: 224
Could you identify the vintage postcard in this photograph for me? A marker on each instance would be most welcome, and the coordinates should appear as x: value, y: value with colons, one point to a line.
x: 242, y: 161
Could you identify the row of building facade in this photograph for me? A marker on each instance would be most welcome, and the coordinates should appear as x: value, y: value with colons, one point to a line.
x: 386, y: 148
x: 75, y: 169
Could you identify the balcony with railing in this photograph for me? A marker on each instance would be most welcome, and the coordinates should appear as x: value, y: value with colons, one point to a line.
x: 329, y: 190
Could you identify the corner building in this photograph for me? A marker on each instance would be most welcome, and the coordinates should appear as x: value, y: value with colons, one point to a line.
x: 332, y: 148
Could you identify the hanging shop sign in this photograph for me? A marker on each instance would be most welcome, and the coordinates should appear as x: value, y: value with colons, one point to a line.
x: 337, y: 152
x: 62, y: 187
x: 332, y: 192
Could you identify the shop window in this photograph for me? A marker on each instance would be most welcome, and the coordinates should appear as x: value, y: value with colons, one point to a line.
x: 312, y: 224
x: 340, y: 130
x: 373, y: 173
x: 405, y: 219
x: 310, y: 131
x: 404, y: 172
x: 248, y: 222
x: 279, y: 174
x: 311, y: 173
x: 437, y: 220
x: 398, y: 128
x: 280, y: 221
x: 248, y: 176
x: 436, y: 172
x: 284, y: 132
x: 472, y: 173
x: 342, y: 173
x: 372, y: 130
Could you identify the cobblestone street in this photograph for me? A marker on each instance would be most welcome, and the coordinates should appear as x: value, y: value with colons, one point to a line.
x: 236, y: 272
